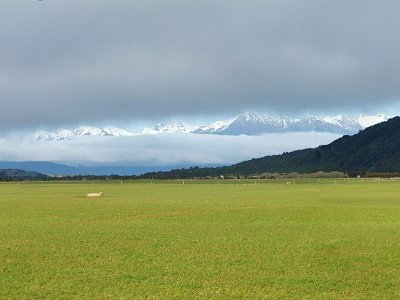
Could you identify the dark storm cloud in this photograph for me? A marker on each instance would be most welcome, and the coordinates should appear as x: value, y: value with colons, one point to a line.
x: 67, y: 61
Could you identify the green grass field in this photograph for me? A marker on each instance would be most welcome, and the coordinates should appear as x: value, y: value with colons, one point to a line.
x: 315, y: 240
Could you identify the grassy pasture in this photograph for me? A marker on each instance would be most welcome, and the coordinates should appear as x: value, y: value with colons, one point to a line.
x: 234, y: 240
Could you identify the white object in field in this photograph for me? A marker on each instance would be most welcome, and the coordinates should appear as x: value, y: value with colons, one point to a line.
x: 100, y: 194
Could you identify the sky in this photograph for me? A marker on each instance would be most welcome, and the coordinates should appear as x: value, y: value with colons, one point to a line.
x: 67, y: 62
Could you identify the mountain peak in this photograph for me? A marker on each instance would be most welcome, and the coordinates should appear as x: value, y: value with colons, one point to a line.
x: 114, y: 131
x: 89, y: 130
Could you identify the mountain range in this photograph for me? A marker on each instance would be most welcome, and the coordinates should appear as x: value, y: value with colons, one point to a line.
x: 375, y: 149
x: 58, y: 169
x: 249, y: 123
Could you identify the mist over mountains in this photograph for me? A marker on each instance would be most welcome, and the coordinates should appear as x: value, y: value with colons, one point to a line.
x: 249, y: 123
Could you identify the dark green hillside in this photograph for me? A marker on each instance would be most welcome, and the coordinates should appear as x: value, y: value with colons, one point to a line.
x: 375, y: 149
x: 16, y: 174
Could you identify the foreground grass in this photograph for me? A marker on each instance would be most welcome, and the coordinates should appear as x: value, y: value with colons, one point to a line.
x: 171, y: 240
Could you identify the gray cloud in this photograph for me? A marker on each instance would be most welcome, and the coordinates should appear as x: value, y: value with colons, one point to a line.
x: 69, y: 61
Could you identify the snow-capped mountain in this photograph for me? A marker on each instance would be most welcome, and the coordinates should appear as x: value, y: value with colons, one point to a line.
x: 58, y: 135
x: 215, y: 127
x: 114, y: 131
x: 346, y: 123
x: 92, y: 131
x: 176, y: 127
x: 366, y: 121
x: 66, y: 134
x: 249, y: 123
x: 256, y: 123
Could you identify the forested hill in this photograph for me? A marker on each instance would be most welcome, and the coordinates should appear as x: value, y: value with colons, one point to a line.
x: 374, y: 149
x: 16, y: 174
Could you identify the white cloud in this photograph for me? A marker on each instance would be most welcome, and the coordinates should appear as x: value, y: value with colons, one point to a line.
x: 159, y: 150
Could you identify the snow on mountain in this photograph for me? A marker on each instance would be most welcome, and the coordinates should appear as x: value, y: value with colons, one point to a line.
x: 344, y: 122
x: 253, y: 124
x: 361, y: 122
x: 176, y: 127
x: 171, y: 128
x: 66, y: 134
x: 58, y: 135
x: 114, y: 131
x: 214, y: 127
x: 310, y: 124
x: 257, y: 123
x: 366, y: 121
x: 88, y: 130
x: 249, y: 123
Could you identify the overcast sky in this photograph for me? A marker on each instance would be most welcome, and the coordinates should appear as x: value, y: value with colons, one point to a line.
x: 64, y: 62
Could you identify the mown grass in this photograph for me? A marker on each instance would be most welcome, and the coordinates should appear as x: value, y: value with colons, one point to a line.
x: 172, y: 240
